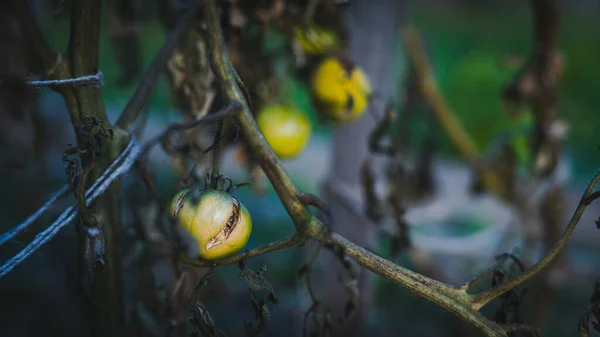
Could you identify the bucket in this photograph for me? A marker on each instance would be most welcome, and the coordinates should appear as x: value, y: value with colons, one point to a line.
x: 461, y: 232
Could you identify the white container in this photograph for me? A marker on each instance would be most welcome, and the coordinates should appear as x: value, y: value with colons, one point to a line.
x: 461, y: 254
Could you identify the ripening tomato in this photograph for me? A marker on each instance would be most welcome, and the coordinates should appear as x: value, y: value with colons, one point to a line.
x: 218, y: 224
x: 316, y: 40
x: 341, y: 94
x: 287, y: 130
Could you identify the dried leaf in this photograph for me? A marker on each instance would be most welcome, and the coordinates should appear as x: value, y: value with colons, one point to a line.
x: 321, y: 321
x: 203, y: 323
x: 257, y: 282
x: 262, y: 315
x: 204, y: 281
x: 583, y: 328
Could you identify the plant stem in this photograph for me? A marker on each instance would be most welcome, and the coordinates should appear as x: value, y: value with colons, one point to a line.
x: 229, y: 82
x: 107, y: 311
x: 215, y: 156
x: 439, y: 293
x: 81, y: 59
x: 489, y: 270
x: 295, y: 240
x: 482, y: 299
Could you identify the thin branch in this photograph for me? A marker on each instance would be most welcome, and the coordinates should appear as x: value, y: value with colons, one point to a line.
x: 590, y: 198
x: 268, y: 248
x: 480, y: 300
x: 439, y: 293
x: 142, y: 92
x: 230, y: 83
x: 522, y: 328
x: 499, y: 261
x: 308, y: 273
x: 306, y: 270
x: 229, y: 111
x: 313, y: 200
x: 216, y: 145
x: 145, y: 175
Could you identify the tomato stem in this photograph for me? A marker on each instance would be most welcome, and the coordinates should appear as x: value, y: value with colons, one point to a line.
x: 214, y: 182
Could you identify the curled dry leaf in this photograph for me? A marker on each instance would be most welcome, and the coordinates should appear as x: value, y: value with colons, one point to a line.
x: 257, y: 282
x: 203, y: 323
x: 263, y: 316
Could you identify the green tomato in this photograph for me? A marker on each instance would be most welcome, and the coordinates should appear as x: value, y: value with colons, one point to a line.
x: 218, y: 223
x: 287, y: 130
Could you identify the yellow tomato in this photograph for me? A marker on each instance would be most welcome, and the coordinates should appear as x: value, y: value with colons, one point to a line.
x: 342, y: 95
x: 316, y: 40
x: 218, y: 223
x: 287, y: 130
x: 359, y: 80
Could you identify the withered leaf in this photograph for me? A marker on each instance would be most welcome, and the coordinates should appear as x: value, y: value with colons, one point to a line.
x: 257, y: 282
x: 242, y: 263
x: 584, y: 329
x: 262, y: 315
x: 203, y: 323
x: 204, y: 281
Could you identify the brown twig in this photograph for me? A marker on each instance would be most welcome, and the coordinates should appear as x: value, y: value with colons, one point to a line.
x: 81, y: 59
x: 232, y: 87
x: 268, y: 248
x: 522, y: 328
x: 313, y: 200
x: 485, y: 297
x: 227, y: 112
x: 499, y: 262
